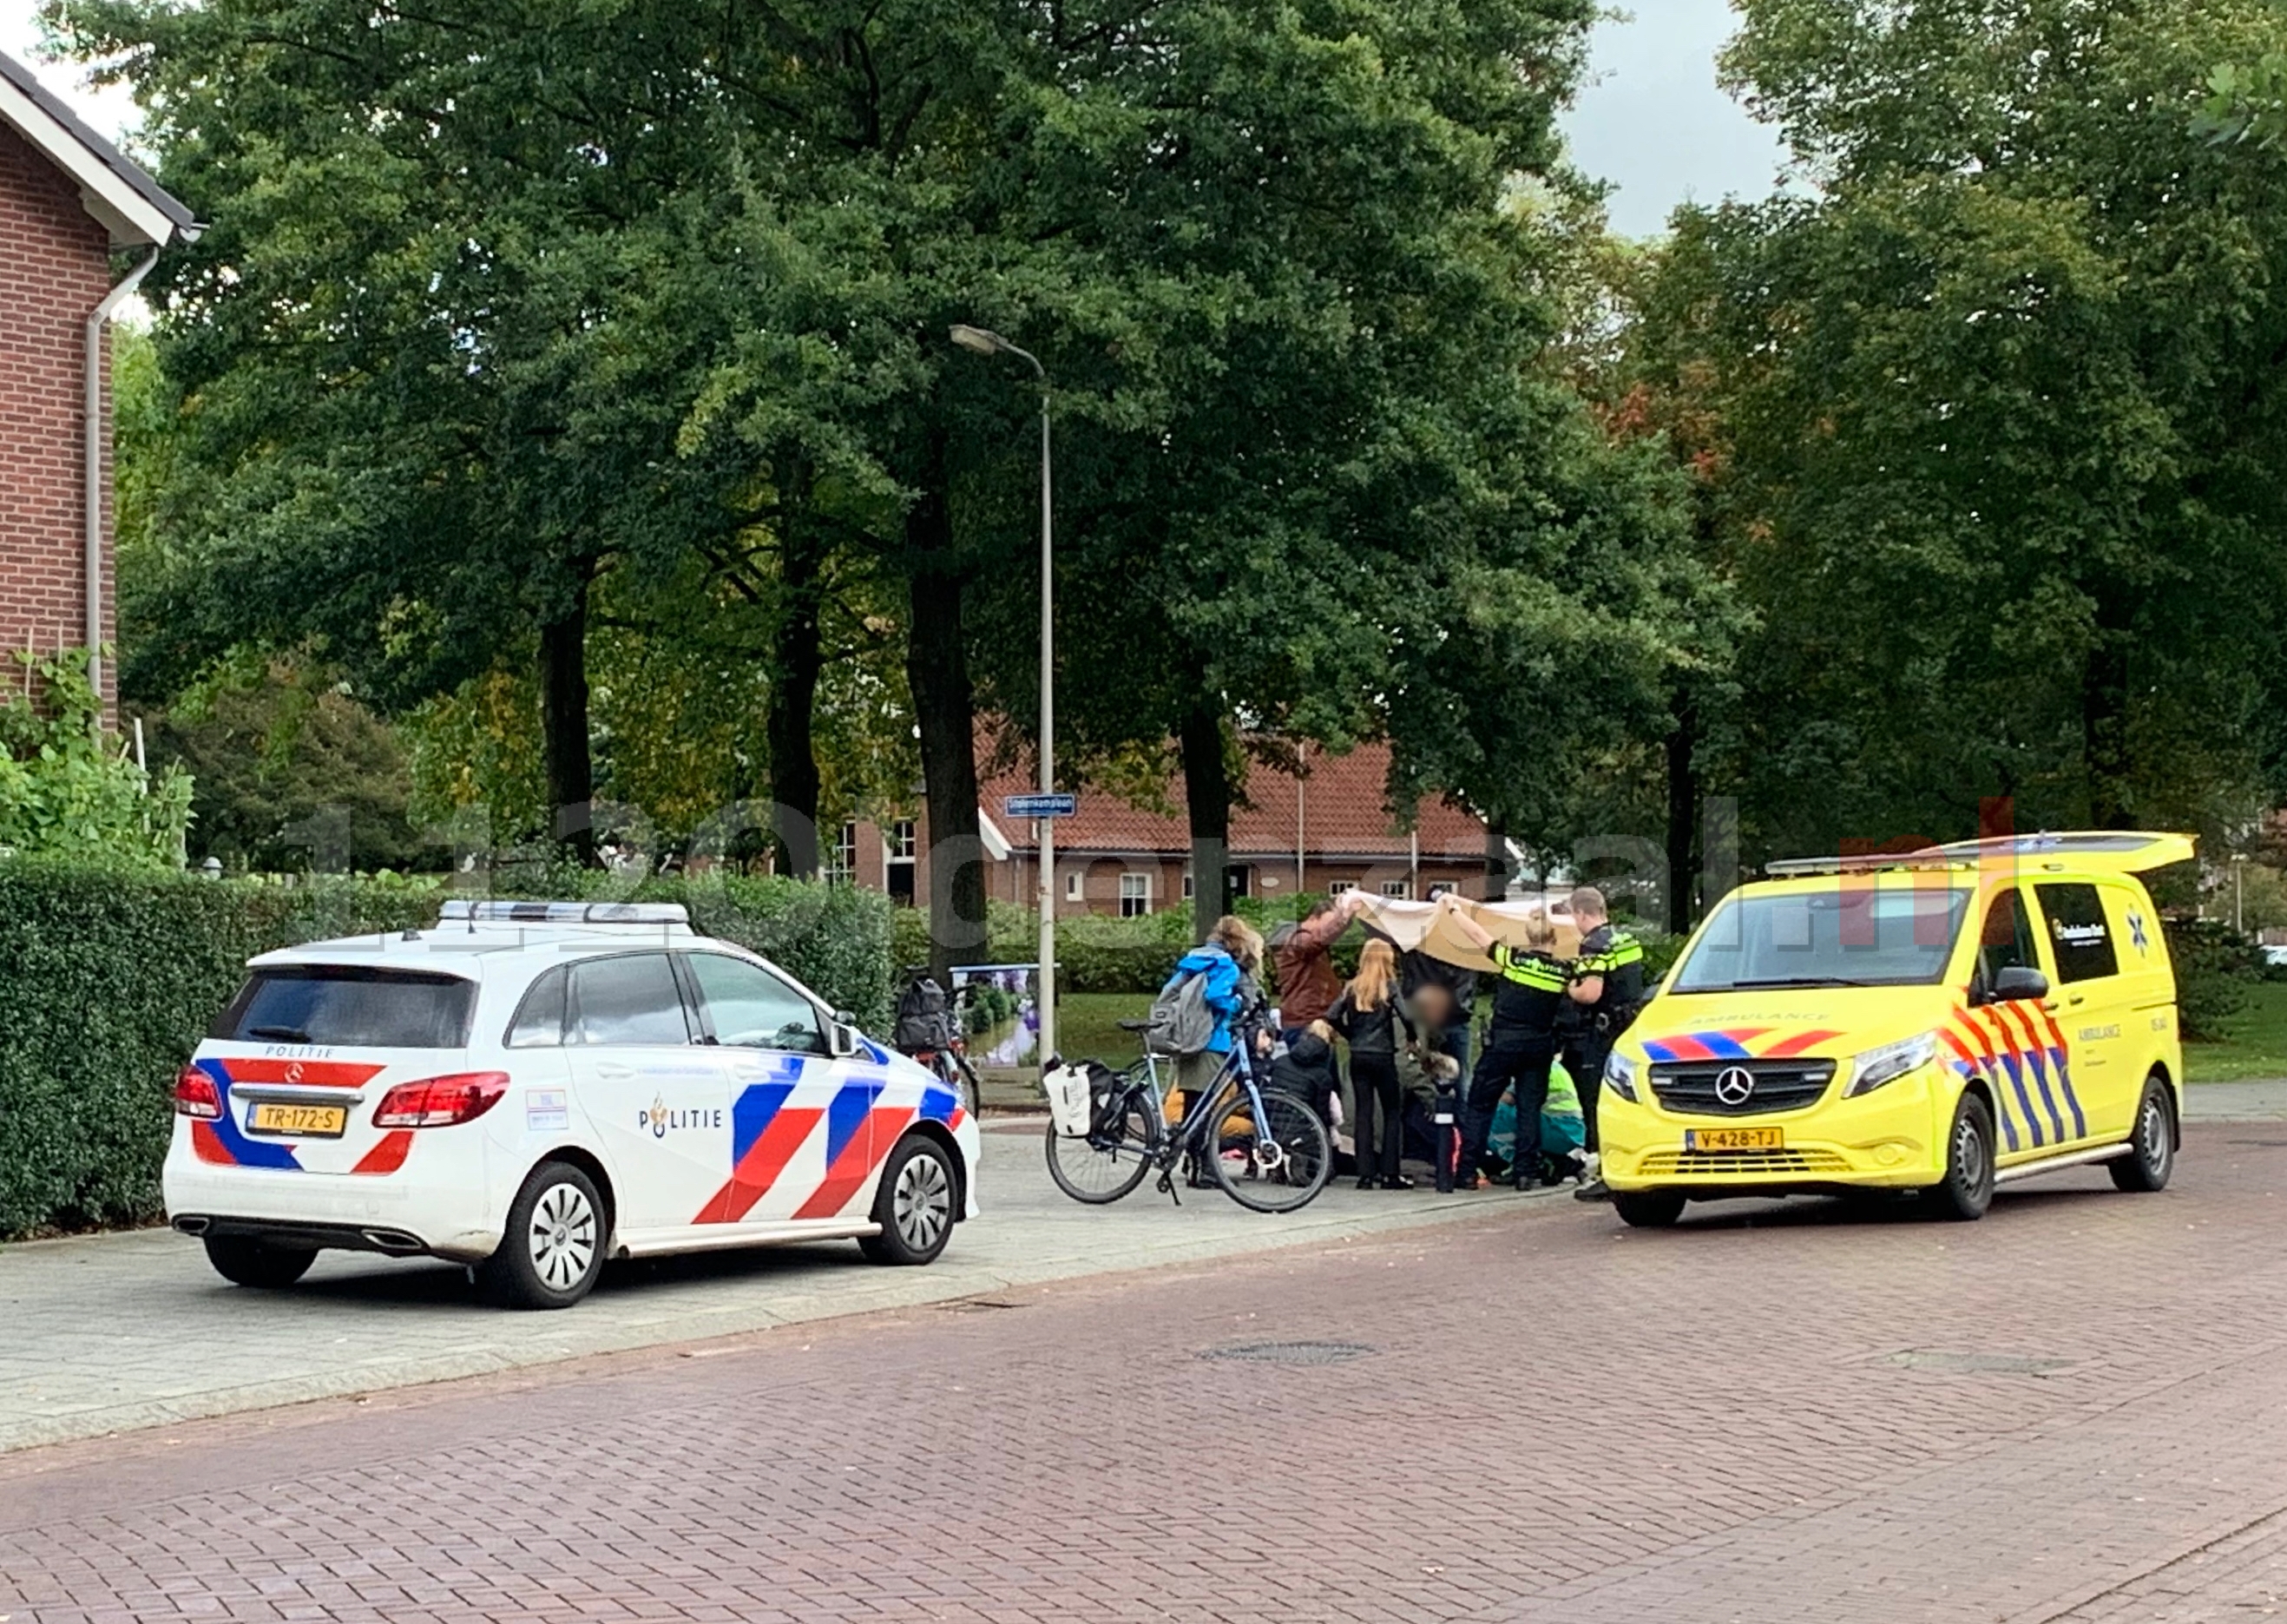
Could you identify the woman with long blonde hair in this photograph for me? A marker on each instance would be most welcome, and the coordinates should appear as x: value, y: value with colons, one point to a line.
x: 1368, y: 1017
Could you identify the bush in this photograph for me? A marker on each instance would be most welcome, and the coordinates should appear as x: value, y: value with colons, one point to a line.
x: 109, y: 979
x: 2215, y: 967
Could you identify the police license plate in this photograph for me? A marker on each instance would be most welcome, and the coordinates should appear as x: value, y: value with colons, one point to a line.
x: 1733, y: 1139
x: 300, y: 1121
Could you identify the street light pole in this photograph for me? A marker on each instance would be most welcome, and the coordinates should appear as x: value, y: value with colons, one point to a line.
x: 985, y: 342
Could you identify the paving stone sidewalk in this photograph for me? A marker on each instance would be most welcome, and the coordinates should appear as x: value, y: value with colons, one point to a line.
x: 109, y: 1332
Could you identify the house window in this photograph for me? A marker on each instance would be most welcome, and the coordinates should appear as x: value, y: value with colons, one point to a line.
x: 1187, y: 885
x: 1335, y: 887
x: 1134, y: 895
x: 841, y: 862
x: 898, y: 864
x: 1071, y: 887
x: 1398, y: 888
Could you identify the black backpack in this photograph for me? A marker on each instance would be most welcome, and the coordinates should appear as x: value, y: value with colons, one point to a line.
x: 924, y: 1019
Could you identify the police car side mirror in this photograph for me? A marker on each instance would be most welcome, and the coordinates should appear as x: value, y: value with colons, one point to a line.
x: 2019, y: 982
x: 842, y: 1036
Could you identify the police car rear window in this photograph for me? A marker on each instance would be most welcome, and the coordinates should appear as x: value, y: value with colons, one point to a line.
x: 351, y: 1005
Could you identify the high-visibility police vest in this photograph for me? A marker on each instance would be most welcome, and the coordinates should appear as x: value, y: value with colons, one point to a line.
x: 1530, y: 993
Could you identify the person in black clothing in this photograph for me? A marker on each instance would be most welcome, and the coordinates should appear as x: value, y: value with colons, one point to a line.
x: 1521, y: 1043
x: 1417, y: 970
x: 1307, y: 1070
x: 1367, y: 1017
x: 1607, y: 987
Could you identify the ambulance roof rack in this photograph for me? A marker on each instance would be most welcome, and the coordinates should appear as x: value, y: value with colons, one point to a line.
x: 1870, y: 863
x: 475, y: 913
x: 2131, y: 849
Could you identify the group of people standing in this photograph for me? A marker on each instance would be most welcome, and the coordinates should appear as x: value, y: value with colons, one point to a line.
x: 1405, y: 1018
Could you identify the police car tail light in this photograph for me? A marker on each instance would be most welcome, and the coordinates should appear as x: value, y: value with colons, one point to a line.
x: 440, y: 1101
x: 196, y: 1096
x: 1870, y: 1070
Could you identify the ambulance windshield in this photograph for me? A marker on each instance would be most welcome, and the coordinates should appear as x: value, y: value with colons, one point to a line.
x: 1854, y: 934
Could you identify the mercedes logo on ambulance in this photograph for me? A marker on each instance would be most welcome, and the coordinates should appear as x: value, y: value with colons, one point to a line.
x: 1735, y: 1085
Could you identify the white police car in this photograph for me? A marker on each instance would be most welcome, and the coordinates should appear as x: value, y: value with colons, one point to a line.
x: 533, y: 1088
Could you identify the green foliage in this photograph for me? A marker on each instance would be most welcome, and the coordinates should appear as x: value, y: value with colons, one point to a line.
x: 291, y: 772
x: 112, y: 977
x: 2216, y: 969
x: 1976, y: 429
x: 67, y: 789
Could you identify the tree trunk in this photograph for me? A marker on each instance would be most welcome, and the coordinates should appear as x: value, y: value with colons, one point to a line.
x: 937, y: 670
x: 565, y: 756
x: 1497, y: 861
x: 1682, y: 813
x: 1206, y: 797
x: 794, y: 698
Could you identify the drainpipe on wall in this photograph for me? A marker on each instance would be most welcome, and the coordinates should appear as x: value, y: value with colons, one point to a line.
x: 92, y: 478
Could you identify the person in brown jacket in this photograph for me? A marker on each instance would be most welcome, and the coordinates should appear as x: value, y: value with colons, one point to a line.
x: 1308, y: 981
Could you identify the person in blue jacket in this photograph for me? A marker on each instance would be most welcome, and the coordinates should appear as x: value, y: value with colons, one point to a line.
x: 1230, y: 958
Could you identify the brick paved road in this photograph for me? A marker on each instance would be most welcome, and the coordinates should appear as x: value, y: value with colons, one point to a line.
x: 2072, y: 1412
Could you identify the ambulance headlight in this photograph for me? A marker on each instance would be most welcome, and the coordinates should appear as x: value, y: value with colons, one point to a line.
x: 1876, y: 1067
x: 1620, y: 1076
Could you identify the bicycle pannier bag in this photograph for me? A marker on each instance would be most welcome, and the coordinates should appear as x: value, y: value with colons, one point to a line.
x: 1071, y: 1100
x: 1182, y: 1024
x: 922, y: 1020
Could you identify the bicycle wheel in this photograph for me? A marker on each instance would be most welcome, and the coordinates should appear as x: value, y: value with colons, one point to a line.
x: 968, y: 1083
x: 1278, y: 1165
x: 1107, y: 1164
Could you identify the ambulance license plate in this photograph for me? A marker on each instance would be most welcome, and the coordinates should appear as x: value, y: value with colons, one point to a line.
x: 1733, y: 1139
x: 298, y: 1121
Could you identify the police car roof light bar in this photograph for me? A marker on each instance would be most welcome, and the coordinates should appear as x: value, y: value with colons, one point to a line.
x: 1872, y: 862
x: 477, y: 912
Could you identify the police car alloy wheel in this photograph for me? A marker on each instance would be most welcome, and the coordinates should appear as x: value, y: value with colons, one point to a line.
x: 2153, y: 1153
x: 552, y: 1250
x: 915, y: 1206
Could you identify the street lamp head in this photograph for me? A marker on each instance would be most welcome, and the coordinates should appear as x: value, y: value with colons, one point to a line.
x: 982, y: 340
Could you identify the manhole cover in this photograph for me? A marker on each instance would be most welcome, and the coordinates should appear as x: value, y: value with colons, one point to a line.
x: 1979, y: 1363
x: 977, y: 1306
x: 1291, y: 1353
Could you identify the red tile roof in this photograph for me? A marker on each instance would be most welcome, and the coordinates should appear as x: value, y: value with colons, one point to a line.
x: 1339, y: 812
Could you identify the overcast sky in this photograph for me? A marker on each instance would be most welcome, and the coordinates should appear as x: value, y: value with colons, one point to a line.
x: 1651, y: 121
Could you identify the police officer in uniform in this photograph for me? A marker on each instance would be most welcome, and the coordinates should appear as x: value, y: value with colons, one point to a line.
x: 1607, y: 986
x: 1529, y: 990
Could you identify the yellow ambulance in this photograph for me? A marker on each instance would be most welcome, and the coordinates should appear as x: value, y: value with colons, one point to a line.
x: 1942, y: 1021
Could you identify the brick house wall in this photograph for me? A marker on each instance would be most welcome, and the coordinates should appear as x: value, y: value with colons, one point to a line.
x: 55, y: 267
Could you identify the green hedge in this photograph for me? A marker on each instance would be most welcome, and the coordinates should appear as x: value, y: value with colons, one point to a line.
x: 108, y: 981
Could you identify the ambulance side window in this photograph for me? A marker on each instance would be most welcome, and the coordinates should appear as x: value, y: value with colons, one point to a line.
x: 2007, y: 942
x: 2078, y: 932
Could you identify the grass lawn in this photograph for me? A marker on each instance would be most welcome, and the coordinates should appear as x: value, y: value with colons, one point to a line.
x: 1087, y: 1025
x: 2257, y: 1047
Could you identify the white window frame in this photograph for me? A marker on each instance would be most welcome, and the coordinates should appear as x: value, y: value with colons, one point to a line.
x: 1335, y: 887
x: 899, y: 843
x: 1401, y: 890
x: 840, y: 867
x: 1075, y: 888
x: 1141, y: 893
x: 1187, y: 885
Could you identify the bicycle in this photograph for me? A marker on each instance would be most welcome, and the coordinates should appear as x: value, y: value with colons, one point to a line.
x: 948, y: 1055
x: 1267, y: 1150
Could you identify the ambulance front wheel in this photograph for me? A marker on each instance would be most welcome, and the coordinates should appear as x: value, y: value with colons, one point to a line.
x: 1967, y: 1189
x: 2152, y: 1149
x: 1648, y: 1208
